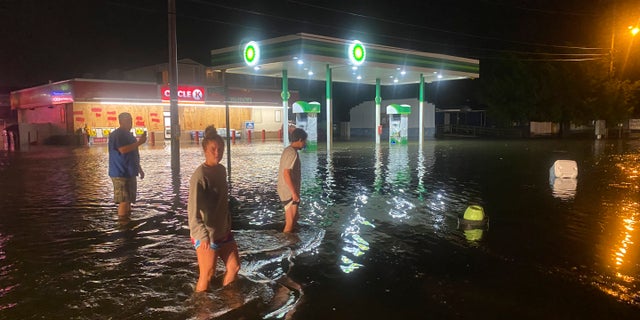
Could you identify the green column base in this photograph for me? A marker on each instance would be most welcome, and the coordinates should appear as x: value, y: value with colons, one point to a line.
x: 401, y: 140
x: 312, y: 145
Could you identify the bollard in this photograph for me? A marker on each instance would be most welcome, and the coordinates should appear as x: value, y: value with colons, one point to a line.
x: 264, y: 133
x: 153, y: 138
x: 12, y: 141
x: 249, y: 136
x: 196, y: 136
x: 233, y: 136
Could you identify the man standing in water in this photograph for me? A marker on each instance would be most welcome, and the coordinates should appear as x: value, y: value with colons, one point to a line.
x: 124, y: 164
x: 289, y: 178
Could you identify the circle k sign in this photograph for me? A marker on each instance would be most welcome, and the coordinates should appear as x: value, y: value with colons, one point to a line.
x: 185, y: 93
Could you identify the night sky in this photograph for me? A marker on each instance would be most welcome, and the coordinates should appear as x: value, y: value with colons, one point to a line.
x: 56, y: 40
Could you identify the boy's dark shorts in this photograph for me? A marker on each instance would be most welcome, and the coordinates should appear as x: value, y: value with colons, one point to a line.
x: 124, y: 189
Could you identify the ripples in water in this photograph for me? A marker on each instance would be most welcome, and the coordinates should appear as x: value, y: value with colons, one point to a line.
x: 386, y: 221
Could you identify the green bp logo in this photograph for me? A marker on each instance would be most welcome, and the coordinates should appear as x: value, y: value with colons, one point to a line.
x: 357, y: 53
x: 251, y: 53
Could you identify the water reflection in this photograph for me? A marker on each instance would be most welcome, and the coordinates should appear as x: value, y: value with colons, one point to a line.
x: 377, y: 185
x: 624, y: 249
x: 563, y: 188
x: 390, y: 220
x: 7, y: 282
x: 398, y: 179
x: 355, y: 246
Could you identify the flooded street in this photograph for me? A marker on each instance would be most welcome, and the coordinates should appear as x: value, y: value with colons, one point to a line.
x: 381, y: 238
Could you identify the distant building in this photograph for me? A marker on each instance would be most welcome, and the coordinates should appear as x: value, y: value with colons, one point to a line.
x: 362, y: 122
x: 8, y: 120
x: 61, y: 112
x: 7, y: 117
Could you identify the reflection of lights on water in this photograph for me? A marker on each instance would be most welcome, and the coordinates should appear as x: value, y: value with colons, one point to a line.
x: 348, y: 265
x: 378, y: 170
x: 438, y: 203
x: 621, y: 252
x: 354, y: 244
x: 357, y: 247
x: 362, y: 198
x: 400, y: 207
x: 5, y: 269
x: 629, y: 211
x: 399, y: 172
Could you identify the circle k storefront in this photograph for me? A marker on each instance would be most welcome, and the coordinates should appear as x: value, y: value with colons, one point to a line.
x: 61, y: 112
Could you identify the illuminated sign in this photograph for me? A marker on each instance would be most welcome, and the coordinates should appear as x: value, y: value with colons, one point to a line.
x: 251, y: 53
x: 60, y: 97
x: 185, y: 93
x: 357, y: 53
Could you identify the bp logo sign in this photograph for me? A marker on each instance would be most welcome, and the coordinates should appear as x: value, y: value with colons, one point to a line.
x: 251, y: 53
x: 357, y: 53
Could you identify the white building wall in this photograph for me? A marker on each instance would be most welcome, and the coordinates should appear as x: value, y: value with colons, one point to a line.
x: 363, y: 117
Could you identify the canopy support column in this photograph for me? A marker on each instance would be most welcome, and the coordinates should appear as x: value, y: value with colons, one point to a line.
x: 421, y: 111
x: 226, y: 121
x: 378, y: 101
x: 329, y: 108
x: 285, y: 108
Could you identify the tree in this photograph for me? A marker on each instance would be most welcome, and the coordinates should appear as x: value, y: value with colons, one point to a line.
x: 518, y: 91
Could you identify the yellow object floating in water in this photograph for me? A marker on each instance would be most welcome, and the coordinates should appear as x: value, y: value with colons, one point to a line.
x: 474, y: 213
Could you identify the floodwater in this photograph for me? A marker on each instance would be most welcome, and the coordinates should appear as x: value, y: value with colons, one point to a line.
x: 381, y: 237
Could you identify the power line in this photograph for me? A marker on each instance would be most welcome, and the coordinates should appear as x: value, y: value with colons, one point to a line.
x: 437, y: 29
x: 273, y: 30
x: 545, y: 11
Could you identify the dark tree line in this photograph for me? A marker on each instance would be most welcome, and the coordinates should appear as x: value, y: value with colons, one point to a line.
x: 516, y: 92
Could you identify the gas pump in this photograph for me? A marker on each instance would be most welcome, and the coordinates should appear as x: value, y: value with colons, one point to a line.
x: 307, y: 120
x: 398, y: 123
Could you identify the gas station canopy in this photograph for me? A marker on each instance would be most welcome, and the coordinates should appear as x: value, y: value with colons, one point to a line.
x: 307, y: 56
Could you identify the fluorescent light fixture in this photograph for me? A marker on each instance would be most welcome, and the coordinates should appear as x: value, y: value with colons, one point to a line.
x: 182, y: 104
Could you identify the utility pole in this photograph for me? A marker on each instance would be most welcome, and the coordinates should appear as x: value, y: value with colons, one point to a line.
x: 173, y: 88
x: 611, y: 53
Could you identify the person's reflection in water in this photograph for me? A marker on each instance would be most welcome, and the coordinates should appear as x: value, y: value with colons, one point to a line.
x: 124, y: 222
x: 223, y: 303
x: 203, y: 305
x: 286, y: 296
x: 291, y: 238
